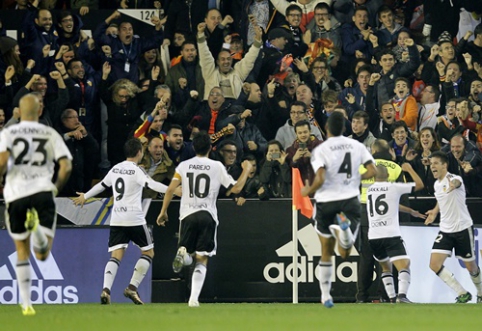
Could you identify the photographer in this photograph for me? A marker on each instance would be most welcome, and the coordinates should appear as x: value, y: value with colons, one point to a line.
x: 275, y: 172
x: 253, y: 188
x: 299, y: 153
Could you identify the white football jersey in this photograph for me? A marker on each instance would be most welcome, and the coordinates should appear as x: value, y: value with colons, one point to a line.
x: 127, y: 180
x: 454, y: 214
x: 33, y: 148
x: 383, y: 199
x: 341, y: 157
x: 201, y: 180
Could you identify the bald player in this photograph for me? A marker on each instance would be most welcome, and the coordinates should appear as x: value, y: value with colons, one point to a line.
x: 28, y: 151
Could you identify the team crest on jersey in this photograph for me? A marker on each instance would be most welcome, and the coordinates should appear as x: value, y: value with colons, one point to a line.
x: 444, y: 188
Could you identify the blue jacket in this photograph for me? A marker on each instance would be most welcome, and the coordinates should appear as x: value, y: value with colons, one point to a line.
x: 122, y: 53
x: 353, y: 41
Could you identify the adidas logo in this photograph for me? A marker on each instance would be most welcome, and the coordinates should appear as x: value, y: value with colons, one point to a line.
x: 47, y: 272
x: 279, y: 272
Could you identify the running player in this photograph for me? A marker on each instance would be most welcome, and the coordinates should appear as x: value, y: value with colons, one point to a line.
x: 29, y: 150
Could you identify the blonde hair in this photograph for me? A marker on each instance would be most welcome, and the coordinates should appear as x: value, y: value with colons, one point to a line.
x: 124, y: 84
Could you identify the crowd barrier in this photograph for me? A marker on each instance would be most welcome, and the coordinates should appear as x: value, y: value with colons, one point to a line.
x: 253, y: 263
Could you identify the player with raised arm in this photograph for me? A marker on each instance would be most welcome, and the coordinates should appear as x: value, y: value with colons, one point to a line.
x: 456, y: 229
x: 201, y: 179
x: 127, y: 222
x: 337, y: 187
x: 385, y: 238
x: 28, y: 152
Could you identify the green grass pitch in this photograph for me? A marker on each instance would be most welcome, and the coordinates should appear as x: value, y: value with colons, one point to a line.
x: 243, y: 316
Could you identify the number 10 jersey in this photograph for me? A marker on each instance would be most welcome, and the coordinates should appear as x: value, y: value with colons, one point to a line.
x: 33, y: 148
x: 201, y: 180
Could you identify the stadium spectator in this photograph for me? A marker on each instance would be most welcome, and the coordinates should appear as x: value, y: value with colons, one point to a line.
x: 275, y: 172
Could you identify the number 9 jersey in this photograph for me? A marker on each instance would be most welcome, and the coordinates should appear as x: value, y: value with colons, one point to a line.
x: 33, y: 148
x: 201, y: 179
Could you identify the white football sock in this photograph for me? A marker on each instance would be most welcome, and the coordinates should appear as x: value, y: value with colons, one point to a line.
x: 140, y: 270
x: 387, y: 278
x: 24, y: 280
x: 404, y: 279
x: 198, y: 277
x: 110, y: 271
x: 448, y: 277
x: 326, y: 271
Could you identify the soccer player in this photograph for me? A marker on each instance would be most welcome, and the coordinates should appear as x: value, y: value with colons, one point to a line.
x: 384, y: 234
x: 127, y: 222
x: 456, y: 228
x: 29, y: 150
x: 201, y: 179
x: 336, y: 184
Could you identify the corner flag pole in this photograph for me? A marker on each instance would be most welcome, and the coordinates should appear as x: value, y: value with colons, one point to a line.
x: 295, y: 254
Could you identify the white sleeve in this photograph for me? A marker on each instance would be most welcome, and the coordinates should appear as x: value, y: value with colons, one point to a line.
x: 98, y: 188
x: 4, y: 142
x: 317, y: 160
x: 145, y: 180
x: 226, y: 180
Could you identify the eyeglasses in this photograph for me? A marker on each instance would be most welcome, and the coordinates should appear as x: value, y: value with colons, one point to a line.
x: 231, y: 151
x: 297, y: 113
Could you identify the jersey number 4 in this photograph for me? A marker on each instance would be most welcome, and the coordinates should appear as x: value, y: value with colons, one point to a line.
x: 345, y: 166
x: 195, y: 184
x: 381, y: 207
x: 21, y: 158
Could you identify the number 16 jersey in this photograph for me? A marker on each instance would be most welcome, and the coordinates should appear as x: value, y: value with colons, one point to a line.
x: 201, y: 180
x: 33, y: 148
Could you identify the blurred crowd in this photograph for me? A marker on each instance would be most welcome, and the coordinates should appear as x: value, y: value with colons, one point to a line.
x: 260, y: 76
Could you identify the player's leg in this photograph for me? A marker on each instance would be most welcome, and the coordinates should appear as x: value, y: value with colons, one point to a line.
x: 441, y: 249
x: 404, y: 278
x: 15, y: 221
x: 118, y: 242
x: 205, y: 246
x: 187, y: 242
x: 326, y: 268
x: 378, y: 246
x: 465, y: 251
x: 348, y: 221
x: 141, y: 236
x: 41, y: 221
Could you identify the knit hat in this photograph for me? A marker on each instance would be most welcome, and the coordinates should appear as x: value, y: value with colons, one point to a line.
x: 6, y: 44
x: 279, y: 33
x: 444, y: 37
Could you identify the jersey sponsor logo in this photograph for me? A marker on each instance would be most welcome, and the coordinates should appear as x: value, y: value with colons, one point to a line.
x: 48, y: 283
x: 378, y: 224
x: 123, y: 171
x: 308, y: 269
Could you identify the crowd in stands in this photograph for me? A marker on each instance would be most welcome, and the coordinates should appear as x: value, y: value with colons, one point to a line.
x: 260, y: 76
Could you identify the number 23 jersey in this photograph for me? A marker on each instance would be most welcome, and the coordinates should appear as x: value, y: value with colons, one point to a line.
x: 33, y: 149
x: 341, y: 157
x: 201, y: 180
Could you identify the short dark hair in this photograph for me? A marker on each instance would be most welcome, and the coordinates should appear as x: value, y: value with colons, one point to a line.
x: 398, y: 124
x: 302, y: 123
x: 405, y: 80
x: 298, y: 103
x: 336, y: 124
x: 75, y: 59
x: 384, y: 9
x: 292, y: 7
x: 188, y: 42
x: 132, y: 147
x: 440, y: 155
x: 174, y: 126
x: 201, y: 143
x: 363, y: 115
x: 364, y: 68
x: 277, y: 143
x: 385, y: 51
x: 360, y: 8
x: 436, y: 91
x: 478, y: 30
x: 323, y: 5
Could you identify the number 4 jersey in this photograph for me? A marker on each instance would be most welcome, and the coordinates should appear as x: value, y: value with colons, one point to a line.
x: 33, y: 149
x: 201, y: 179
x: 341, y: 157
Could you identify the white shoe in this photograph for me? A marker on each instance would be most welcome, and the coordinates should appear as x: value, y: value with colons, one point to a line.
x: 193, y: 303
x: 178, y: 262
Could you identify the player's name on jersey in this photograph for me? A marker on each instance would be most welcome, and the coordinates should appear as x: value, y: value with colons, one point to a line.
x: 377, y: 189
x: 199, y: 167
x: 342, y: 147
x: 123, y: 171
x: 26, y: 130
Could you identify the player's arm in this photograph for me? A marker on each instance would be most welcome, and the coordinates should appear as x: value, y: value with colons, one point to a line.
x: 236, y: 188
x: 454, y: 184
x: 175, y: 182
x: 65, y: 169
x: 317, y: 183
x: 371, y: 170
x: 97, y: 189
x: 4, y: 162
x: 414, y: 213
x: 432, y: 214
x: 407, y: 167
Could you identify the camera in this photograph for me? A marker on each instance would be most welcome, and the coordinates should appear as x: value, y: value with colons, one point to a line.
x: 302, y: 145
x: 275, y: 155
